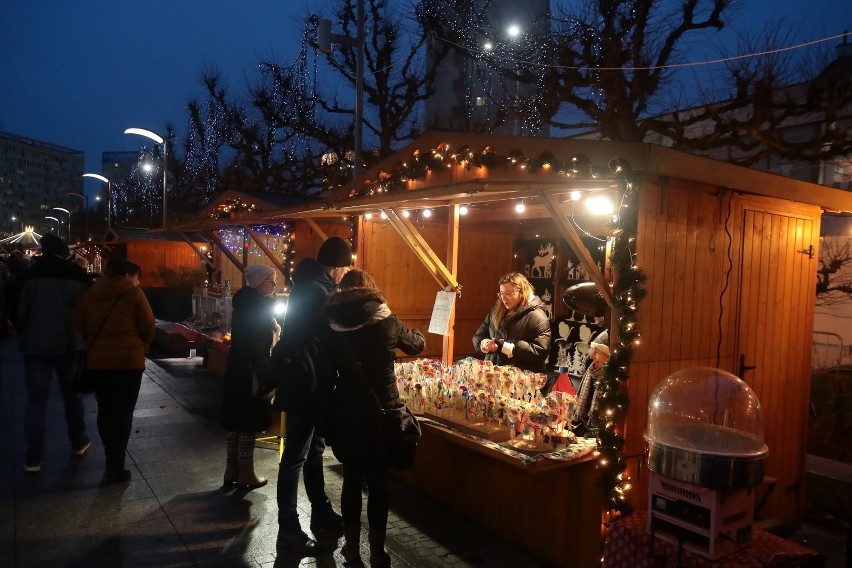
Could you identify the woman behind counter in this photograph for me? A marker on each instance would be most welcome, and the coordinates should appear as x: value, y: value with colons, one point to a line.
x: 253, y: 326
x: 117, y: 321
x: 517, y: 330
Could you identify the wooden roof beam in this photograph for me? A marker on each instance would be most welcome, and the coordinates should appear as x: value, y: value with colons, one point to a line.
x: 197, y: 250
x: 576, y: 245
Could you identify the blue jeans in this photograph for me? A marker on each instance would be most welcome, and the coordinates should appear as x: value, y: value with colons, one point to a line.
x: 38, y: 372
x: 302, y: 453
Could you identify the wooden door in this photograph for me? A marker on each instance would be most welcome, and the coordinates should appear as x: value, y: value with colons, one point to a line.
x: 777, y: 294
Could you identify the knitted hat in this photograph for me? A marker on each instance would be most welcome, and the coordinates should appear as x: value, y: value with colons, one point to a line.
x: 335, y: 252
x: 257, y: 273
x: 601, y: 343
x: 51, y: 245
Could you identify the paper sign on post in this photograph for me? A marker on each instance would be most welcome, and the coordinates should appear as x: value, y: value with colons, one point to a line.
x: 440, y: 322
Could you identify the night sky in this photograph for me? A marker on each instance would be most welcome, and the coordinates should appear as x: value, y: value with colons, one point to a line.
x: 77, y: 73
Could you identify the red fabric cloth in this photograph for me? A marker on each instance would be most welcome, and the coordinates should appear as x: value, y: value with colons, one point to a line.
x: 627, y: 545
x: 563, y: 384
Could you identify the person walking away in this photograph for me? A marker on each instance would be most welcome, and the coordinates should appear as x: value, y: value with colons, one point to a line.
x: 302, y: 375
x: 46, y: 299
x: 243, y: 412
x: 118, y: 324
x: 366, y: 336
x: 516, y: 330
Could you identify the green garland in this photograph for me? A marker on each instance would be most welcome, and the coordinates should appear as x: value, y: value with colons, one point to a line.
x: 628, y: 290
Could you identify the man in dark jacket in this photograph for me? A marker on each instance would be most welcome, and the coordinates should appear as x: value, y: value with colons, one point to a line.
x: 301, y: 374
x: 49, y: 290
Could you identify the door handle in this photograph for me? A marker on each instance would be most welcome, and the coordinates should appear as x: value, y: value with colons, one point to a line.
x: 744, y: 368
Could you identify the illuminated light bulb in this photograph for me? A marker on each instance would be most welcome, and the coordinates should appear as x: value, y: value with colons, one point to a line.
x: 600, y: 205
x: 488, y: 46
x: 576, y: 195
x: 520, y: 207
x: 514, y: 30
x: 406, y: 213
x: 427, y: 213
x: 463, y: 210
x: 383, y: 215
x: 368, y: 216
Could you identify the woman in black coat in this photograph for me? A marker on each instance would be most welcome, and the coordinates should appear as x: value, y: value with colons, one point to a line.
x: 243, y: 414
x: 517, y: 330
x: 367, y: 333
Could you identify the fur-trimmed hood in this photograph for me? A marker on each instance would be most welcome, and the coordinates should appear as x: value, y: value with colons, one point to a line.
x: 353, y: 308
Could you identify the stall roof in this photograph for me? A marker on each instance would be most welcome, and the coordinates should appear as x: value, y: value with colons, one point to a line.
x: 123, y: 234
x: 235, y: 208
x: 595, y: 157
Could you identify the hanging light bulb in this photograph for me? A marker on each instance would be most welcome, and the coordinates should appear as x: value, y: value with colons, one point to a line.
x: 520, y: 207
x: 463, y: 210
x: 383, y: 215
x: 427, y: 213
x: 406, y: 213
x: 368, y: 216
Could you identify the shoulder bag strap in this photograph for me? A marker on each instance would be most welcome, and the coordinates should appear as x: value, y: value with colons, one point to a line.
x: 103, y: 321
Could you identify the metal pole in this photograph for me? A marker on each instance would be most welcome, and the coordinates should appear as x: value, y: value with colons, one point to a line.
x: 109, y: 206
x: 359, y: 88
x: 164, y: 181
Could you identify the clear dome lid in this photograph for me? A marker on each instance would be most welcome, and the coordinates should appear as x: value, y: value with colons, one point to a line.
x: 707, y: 411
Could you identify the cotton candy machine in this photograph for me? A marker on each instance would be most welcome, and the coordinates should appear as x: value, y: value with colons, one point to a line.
x: 705, y: 449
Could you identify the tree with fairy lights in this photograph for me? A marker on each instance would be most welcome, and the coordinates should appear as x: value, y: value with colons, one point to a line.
x: 289, y: 134
x: 620, y: 68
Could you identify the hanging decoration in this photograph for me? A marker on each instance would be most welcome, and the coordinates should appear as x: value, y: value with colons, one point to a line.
x: 442, y: 157
x: 279, y: 239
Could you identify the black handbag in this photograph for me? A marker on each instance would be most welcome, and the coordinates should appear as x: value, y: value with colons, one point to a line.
x: 398, y: 428
x: 82, y: 380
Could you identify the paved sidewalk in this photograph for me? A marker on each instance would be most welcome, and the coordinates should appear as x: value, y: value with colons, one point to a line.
x: 173, y: 513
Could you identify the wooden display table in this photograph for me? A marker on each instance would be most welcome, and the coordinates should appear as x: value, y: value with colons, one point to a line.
x: 551, y: 508
x: 629, y: 545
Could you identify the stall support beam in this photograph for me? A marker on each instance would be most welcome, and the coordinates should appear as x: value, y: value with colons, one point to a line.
x: 256, y: 238
x: 228, y: 253
x: 421, y: 248
x: 197, y: 250
x: 453, y: 266
x: 316, y: 228
x: 576, y: 244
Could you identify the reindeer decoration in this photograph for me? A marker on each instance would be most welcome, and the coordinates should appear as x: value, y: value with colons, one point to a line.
x: 543, y: 263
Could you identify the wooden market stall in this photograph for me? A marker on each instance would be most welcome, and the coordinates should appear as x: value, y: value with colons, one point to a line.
x: 729, y: 256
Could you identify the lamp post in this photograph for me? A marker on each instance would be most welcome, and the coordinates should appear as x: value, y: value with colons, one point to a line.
x: 85, y: 212
x: 159, y: 140
x: 53, y: 219
x: 101, y: 178
x: 69, y: 220
x: 325, y: 38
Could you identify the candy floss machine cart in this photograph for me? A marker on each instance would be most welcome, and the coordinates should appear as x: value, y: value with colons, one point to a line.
x: 705, y: 449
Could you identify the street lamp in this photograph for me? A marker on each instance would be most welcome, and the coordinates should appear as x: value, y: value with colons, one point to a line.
x: 159, y: 140
x: 53, y: 219
x: 101, y: 178
x: 69, y: 220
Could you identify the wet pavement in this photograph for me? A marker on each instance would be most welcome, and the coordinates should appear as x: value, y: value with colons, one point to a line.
x: 174, y: 513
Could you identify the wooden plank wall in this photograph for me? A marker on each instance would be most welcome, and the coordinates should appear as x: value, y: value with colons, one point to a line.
x: 484, y: 256
x: 151, y: 255
x: 692, y: 315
